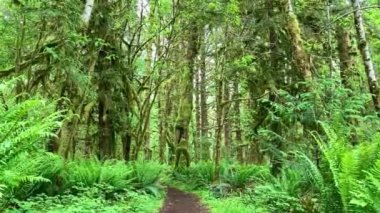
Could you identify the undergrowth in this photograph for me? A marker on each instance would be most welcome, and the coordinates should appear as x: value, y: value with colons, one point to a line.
x: 101, y: 198
x: 57, y: 177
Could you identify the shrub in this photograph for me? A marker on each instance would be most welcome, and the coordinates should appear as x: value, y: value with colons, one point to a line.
x: 145, y: 176
x: 25, y: 128
x: 241, y: 176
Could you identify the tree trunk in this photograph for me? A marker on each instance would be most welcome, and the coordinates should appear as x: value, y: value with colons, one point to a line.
x: 275, y: 125
x: 106, y: 133
x: 186, y: 103
x: 301, y: 60
x: 161, y: 127
x: 238, y: 131
x: 219, y: 124
x: 198, y: 122
x: 226, y: 120
x: 344, y: 52
x: 103, y: 66
x: 127, y: 142
x: 366, y: 54
x: 86, y: 16
x: 205, y: 145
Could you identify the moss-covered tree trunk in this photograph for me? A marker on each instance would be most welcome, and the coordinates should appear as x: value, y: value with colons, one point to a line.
x: 301, y: 60
x: 106, y: 129
x: 275, y: 82
x: 99, y: 29
x: 186, y: 102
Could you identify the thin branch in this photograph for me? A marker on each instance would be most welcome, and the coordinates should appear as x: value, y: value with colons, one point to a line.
x: 349, y: 13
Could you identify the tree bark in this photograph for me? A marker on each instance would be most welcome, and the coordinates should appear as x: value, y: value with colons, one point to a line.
x: 301, y: 60
x: 100, y: 25
x: 275, y: 125
x: 161, y: 127
x: 198, y: 121
x: 238, y: 131
x: 205, y: 147
x: 86, y: 16
x: 346, y: 61
x: 186, y: 103
x: 219, y: 124
x: 226, y: 120
x: 366, y: 54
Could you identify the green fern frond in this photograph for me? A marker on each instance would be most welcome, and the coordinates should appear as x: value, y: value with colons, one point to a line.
x: 312, y: 170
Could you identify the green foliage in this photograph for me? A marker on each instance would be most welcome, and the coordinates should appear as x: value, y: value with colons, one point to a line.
x: 229, y: 204
x: 100, y: 197
x: 275, y: 198
x: 116, y: 174
x: 89, y: 172
x: 26, y: 126
x: 199, y: 174
x: 232, y: 176
x: 290, y: 191
x: 28, y: 173
x: 202, y: 173
x: 85, y: 173
x: 353, y: 169
x: 48, y: 173
x: 242, y: 176
x: 146, y: 175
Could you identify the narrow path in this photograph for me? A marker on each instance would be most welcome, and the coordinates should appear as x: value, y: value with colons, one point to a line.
x: 178, y: 201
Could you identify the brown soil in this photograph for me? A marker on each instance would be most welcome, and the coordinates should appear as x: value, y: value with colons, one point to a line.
x: 178, y: 201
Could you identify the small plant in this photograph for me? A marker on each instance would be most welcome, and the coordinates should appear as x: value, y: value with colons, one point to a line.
x: 25, y: 127
x: 116, y: 174
x: 82, y: 172
x: 201, y: 173
x: 351, y: 169
x: 145, y: 176
x: 89, y: 172
x: 241, y: 176
x: 100, y: 197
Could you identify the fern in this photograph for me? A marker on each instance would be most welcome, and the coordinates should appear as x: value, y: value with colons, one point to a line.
x: 146, y: 174
x: 348, y: 165
x: 241, y: 176
x: 366, y: 195
x: 312, y: 172
x: 2, y: 188
x: 84, y: 172
x: 116, y: 174
x: 25, y: 127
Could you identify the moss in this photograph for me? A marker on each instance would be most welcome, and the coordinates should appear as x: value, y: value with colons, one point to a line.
x: 182, y: 150
x: 299, y: 54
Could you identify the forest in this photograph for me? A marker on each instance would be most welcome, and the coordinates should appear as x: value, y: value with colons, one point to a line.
x: 189, y: 106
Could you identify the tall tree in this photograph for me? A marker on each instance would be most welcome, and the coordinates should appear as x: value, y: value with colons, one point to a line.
x: 205, y: 147
x: 366, y: 54
x: 186, y: 103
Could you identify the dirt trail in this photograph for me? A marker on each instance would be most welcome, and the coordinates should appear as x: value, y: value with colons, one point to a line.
x: 178, y: 201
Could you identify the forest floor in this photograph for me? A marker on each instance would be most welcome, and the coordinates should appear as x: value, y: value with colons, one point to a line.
x: 178, y: 201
